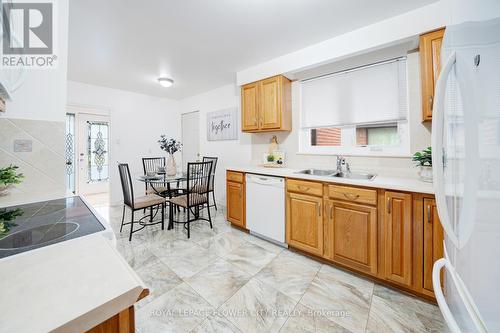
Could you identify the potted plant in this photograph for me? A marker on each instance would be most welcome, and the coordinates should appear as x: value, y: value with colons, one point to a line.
x: 8, y: 177
x: 423, y: 160
x: 171, y: 146
x: 6, y: 220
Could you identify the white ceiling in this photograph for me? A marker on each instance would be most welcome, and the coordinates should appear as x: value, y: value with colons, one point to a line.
x: 201, y: 44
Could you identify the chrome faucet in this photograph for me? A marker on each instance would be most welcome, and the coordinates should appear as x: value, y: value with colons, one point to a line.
x: 340, y: 162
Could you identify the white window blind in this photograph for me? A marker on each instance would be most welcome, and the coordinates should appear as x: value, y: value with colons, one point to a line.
x: 370, y: 94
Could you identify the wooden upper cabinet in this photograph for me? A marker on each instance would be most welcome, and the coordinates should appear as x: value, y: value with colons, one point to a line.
x: 250, y: 107
x: 398, y: 236
x: 270, y: 101
x: 353, y: 231
x: 304, y: 227
x: 433, y: 241
x: 266, y: 105
x: 430, y: 66
x: 235, y: 196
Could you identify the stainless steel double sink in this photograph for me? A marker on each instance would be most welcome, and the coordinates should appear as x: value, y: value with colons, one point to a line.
x: 337, y: 174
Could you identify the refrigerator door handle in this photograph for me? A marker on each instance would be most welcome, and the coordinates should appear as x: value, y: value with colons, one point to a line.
x: 464, y: 295
x: 437, y: 148
x: 438, y: 292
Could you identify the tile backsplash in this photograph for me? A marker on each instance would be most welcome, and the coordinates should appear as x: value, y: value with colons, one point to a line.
x: 37, y: 147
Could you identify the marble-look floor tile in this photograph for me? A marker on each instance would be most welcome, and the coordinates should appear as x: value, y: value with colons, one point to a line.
x: 171, y: 247
x: 136, y: 255
x: 219, y: 281
x: 271, y: 247
x: 305, y: 320
x: 290, y: 275
x: 216, y: 324
x: 190, y: 261
x: 344, y: 298
x: 249, y: 257
x: 302, y: 259
x: 158, y: 278
x: 222, y: 244
x: 179, y: 310
x: 392, y: 311
x: 258, y: 307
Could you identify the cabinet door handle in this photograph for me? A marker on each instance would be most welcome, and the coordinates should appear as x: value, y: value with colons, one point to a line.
x: 319, y: 210
x: 331, y: 212
x: 429, y: 216
x: 388, y: 205
x: 431, y: 102
x: 351, y: 196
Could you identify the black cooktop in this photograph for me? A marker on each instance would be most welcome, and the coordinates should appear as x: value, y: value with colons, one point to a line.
x: 31, y: 226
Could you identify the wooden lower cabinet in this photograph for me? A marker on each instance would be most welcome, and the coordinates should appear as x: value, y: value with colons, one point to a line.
x: 398, y: 238
x: 353, y: 235
x: 432, y: 243
x: 123, y: 322
x: 304, y: 222
x: 235, y: 200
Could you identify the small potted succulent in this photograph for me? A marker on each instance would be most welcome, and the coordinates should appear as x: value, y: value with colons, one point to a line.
x: 423, y: 160
x: 171, y: 146
x: 8, y: 177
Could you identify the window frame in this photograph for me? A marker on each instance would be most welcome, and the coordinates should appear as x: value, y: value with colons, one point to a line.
x: 348, y: 135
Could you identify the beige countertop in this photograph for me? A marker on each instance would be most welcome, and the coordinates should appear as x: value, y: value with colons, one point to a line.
x: 66, y: 287
x: 390, y: 183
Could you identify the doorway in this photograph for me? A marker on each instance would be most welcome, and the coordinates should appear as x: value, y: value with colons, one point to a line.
x: 93, y: 153
x: 87, y: 153
x: 190, y: 138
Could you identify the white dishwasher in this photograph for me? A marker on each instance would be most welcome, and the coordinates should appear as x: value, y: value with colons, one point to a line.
x: 265, y: 207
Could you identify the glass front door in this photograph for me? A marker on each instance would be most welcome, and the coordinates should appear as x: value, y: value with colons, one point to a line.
x: 93, y: 154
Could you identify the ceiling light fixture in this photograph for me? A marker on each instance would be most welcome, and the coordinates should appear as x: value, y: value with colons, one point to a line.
x: 165, y: 82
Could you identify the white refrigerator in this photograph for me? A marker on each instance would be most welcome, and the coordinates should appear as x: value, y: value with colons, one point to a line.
x: 466, y: 166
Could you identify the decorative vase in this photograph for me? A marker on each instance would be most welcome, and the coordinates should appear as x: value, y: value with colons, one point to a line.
x: 171, y: 169
x: 425, y: 173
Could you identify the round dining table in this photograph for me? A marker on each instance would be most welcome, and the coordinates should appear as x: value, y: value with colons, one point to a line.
x: 159, y: 182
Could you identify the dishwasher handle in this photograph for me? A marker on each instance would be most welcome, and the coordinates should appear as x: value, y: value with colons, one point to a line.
x: 265, y: 180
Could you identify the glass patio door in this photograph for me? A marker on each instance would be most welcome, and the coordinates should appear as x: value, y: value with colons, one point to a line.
x: 93, y: 154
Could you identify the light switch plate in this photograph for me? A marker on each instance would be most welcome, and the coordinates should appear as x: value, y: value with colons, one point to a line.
x: 23, y: 146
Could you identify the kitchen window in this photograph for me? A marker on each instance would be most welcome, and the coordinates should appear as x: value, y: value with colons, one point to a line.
x: 361, y: 111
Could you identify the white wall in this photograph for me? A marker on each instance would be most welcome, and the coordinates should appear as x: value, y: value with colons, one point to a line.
x: 234, y: 152
x: 137, y: 121
x: 36, y: 113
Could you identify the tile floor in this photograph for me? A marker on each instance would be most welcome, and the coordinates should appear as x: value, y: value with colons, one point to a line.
x: 224, y: 280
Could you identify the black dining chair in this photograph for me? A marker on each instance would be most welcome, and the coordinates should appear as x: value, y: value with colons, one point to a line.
x: 211, y: 185
x: 197, y: 194
x: 138, y: 203
x: 151, y: 164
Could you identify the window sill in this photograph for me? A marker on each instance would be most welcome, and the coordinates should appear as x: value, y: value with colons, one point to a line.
x: 361, y: 154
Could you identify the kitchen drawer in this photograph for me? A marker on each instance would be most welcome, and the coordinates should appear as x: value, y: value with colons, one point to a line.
x: 353, y: 194
x: 305, y: 187
x: 235, y: 176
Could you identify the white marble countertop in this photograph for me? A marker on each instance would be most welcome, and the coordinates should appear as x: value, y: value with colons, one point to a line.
x: 391, y: 183
x: 66, y: 287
